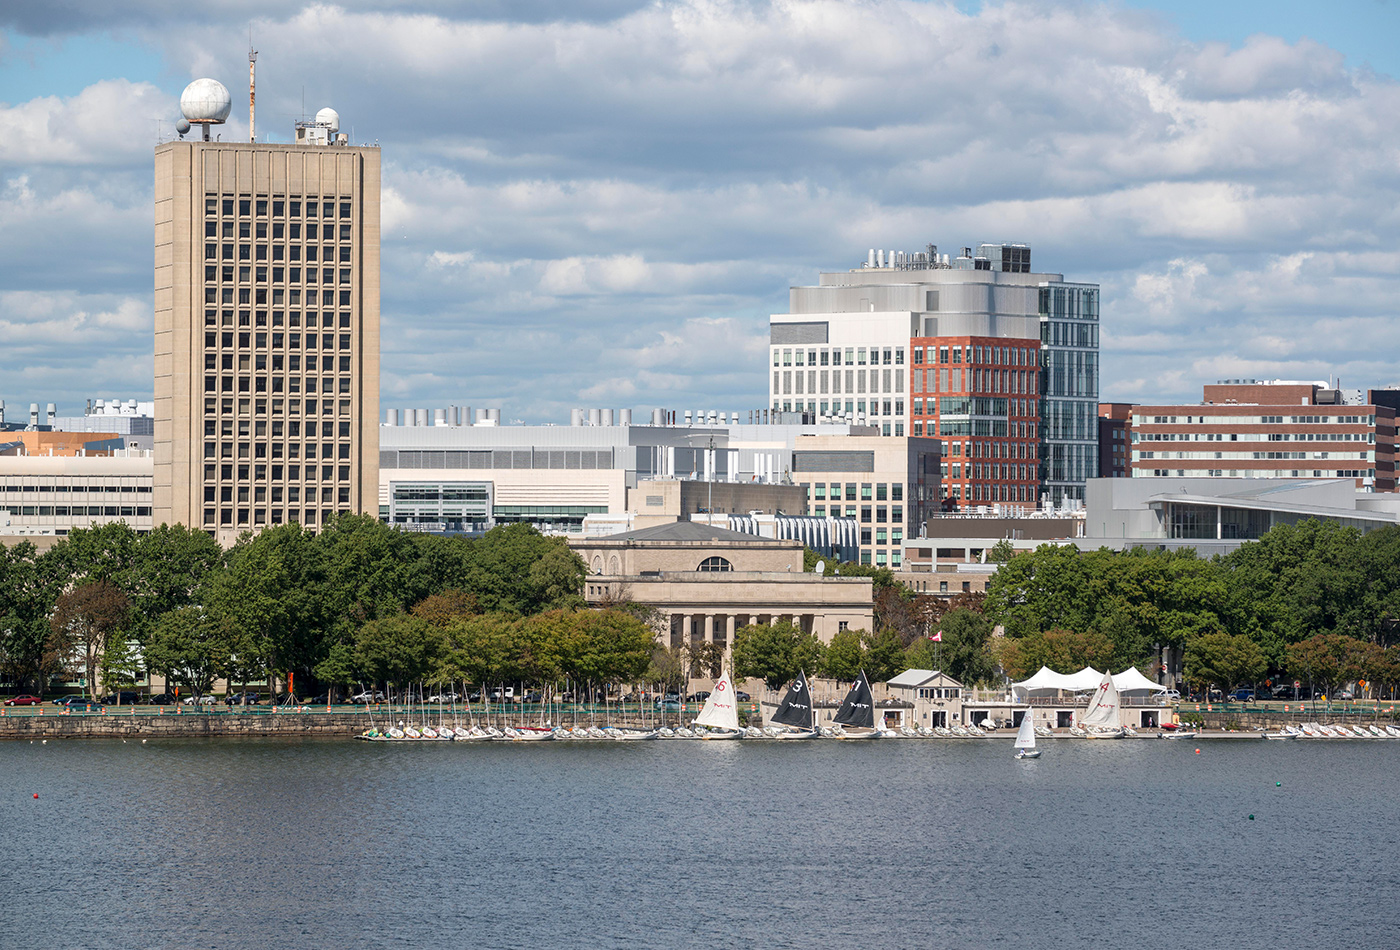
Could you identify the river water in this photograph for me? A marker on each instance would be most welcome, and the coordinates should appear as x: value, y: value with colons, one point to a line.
x: 810, y: 845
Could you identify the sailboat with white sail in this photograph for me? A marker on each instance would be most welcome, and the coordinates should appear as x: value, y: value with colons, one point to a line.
x: 721, y: 713
x: 857, y: 712
x: 1100, y: 720
x: 1025, y: 737
x: 796, y: 712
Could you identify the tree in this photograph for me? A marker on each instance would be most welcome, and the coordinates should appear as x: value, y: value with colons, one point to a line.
x: 83, y: 621
x: 1001, y: 552
x: 1063, y: 651
x: 1330, y: 660
x: 775, y: 653
x: 884, y: 655
x: 190, y: 648
x: 845, y: 656
x: 29, y: 585
x: 442, y: 608
x: 706, y: 658
x: 965, y: 650
x: 400, y: 649
x: 667, y: 669
x: 1223, y: 660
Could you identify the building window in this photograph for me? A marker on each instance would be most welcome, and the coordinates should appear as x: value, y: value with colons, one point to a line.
x: 715, y: 565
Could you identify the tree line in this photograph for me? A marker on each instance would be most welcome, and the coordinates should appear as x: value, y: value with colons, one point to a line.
x: 333, y: 607
x: 1316, y: 602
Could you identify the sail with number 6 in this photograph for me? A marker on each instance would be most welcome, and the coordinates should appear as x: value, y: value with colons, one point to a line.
x: 720, y: 711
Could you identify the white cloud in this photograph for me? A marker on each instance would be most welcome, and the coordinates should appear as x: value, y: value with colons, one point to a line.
x: 605, y: 205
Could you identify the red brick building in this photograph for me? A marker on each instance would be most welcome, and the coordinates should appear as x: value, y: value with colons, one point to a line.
x: 1275, y: 429
x: 981, y: 396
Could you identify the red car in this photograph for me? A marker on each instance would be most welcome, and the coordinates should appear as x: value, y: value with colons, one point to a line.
x: 24, y: 699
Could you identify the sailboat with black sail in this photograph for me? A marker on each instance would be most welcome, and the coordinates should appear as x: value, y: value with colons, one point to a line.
x: 796, y: 712
x: 857, y: 713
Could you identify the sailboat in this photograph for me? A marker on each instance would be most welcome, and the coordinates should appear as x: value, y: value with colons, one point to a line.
x: 858, y: 712
x: 1025, y: 737
x: 1100, y: 720
x: 720, y: 713
x: 797, y: 712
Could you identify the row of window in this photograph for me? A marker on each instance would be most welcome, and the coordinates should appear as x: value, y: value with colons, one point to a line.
x: 241, y: 516
x: 880, y: 381
x: 258, y: 318
x: 78, y: 489
x: 883, y: 491
x: 1369, y: 420
x: 247, y: 231
x: 262, y: 472
x: 259, y: 206
x: 259, y: 450
x: 224, y: 406
x: 1364, y: 456
x: 279, y: 494
x: 853, y: 356
x: 279, y: 429
x: 991, y: 491
x: 994, y: 355
x: 280, y: 253
x: 1369, y: 437
x: 879, y: 514
x: 978, y: 381
x: 991, y: 471
x: 1255, y: 473
x: 258, y: 384
x: 293, y: 341
x: 77, y: 511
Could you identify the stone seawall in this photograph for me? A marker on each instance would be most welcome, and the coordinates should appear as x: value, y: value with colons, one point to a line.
x: 189, y: 725
x: 247, y: 725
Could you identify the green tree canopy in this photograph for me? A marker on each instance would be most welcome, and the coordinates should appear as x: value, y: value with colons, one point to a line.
x: 775, y: 653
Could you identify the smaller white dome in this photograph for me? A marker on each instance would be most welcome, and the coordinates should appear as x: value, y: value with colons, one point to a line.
x: 205, y: 100
x: 329, y: 118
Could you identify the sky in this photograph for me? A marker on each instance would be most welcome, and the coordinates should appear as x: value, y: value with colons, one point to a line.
x: 598, y: 203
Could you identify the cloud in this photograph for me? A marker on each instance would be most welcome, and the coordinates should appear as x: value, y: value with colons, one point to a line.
x: 603, y: 201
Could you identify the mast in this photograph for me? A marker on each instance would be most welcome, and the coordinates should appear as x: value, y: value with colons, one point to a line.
x: 252, y: 85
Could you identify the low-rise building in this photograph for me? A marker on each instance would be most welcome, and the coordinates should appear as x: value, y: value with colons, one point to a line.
x: 933, y: 699
x: 42, y: 498
x: 1270, y: 429
x: 706, y: 582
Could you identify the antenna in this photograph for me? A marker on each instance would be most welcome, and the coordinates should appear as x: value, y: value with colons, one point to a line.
x: 252, y: 86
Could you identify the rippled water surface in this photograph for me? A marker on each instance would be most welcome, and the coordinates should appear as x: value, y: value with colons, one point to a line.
x: 904, y: 843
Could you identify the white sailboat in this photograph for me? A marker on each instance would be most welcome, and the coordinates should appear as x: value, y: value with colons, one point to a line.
x: 1025, y: 737
x: 721, y: 714
x: 1100, y: 720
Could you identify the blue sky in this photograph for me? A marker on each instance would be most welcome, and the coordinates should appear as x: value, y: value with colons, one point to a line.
x: 598, y: 203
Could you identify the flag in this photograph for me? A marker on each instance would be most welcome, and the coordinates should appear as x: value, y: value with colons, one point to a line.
x: 937, y: 637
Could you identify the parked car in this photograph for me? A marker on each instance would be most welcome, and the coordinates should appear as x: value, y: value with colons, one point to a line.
x: 24, y: 699
x: 1172, y: 696
x: 82, y: 704
x: 444, y: 698
x: 244, y: 699
x: 698, y: 697
x: 1242, y: 695
x: 368, y: 696
x: 1345, y: 694
x: 743, y: 697
x: 162, y: 699
x: 198, y: 701
x: 72, y: 699
x: 324, y: 699
x: 669, y: 705
x: 125, y: 697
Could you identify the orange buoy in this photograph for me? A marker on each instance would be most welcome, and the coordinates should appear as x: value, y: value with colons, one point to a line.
x: 1198, y: 751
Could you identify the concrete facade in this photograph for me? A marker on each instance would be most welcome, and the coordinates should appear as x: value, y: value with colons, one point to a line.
x: 707, y: 582
x: 43, y: 498
x: 266, y: 333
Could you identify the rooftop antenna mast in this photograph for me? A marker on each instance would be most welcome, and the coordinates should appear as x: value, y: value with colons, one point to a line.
x: 252, y: 85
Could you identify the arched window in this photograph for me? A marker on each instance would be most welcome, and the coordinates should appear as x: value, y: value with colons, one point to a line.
x: 614, y: 565
x: 715, y: 564
x: 598, y: 564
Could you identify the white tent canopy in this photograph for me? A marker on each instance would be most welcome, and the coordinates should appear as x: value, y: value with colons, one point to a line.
x: 1047, y: 679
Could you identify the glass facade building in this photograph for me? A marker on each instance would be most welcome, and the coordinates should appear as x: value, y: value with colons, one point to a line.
x: 1069, y: 358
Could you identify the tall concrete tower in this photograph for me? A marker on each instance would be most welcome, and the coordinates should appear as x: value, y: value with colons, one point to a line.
x: 266, y: 325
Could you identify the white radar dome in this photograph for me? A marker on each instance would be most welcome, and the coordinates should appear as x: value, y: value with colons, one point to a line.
x: 329, y: 118
x: 205, y: 100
